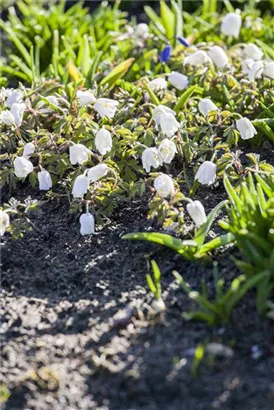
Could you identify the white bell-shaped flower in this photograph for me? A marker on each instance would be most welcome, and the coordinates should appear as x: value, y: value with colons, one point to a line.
x: 80, y: 186
x: 269, y: 70
x: 178, y: 80
x: 14, y: 96
x: 4, y: 222
x: 246, y: 128
x: 159, y: 111
x: 199, y: 57
x: 17, y: 110
x: 22, y: 167
x: 167, y: 150
x: 218, y: 56
x: 45, y: 181
x: 231, y: 25
x: 142, y: 31
x: 78, y: 154
x: 206, y: 106
x: 103, y: 141
x: 106, y: 107
x: 256, y: 71
x: 151, y: 158
x: 247, y: 64
x: 206, y: 173
x: 97, y: 172
x: 252, y: 51
x: 158, y: 84
x: 87, y: 224
x: 29, y: 149
x: 85, y: 97
x: 164, y: 186
x: 197, y: 213
x: 168, y: 124
x: 7, y: 118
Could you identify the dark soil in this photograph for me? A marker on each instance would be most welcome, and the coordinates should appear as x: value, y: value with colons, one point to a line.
x: 64, y: 347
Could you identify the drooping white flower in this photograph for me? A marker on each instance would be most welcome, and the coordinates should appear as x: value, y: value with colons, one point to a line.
x: 231, y: 25
x: 158, y: 84
x: 80, y: 186
x: 46, y: 109
x: 164, y: 186
x: 206, y: 173
x: 206, y: 106
x: 97, y: 172
x: 247, y: 64
x: 4, y: 222
x: 151, y: 158
x: 14, y: 96
x: 103, y: 141
x: 196, y: 211
x: 218, y: 56
x: 168, y: 124
x: 85, y: 97
x: 159, y: 111
x: 17, y: 110
x: 252, y: 51
x: 45, y: 181
x: 106, y: 107
x: 246, y: 128
x: 87, y: 224
x: 142, y: 31
x: 22, y: 167
x: 78, y: 154
x: 7, y: 118
x: 29, y: 149
x: 256, y: 70
x: 178, y: 80
x: 197, y: 58
x: 269, y: 70
x: 167, y: 150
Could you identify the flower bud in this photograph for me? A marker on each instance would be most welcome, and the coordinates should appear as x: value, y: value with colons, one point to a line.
x: 78, y: 154
x: 196, y: 212
x: 231, y: 25
x: 45, y: 182
x: 246, y: 128
x: 178, y: 80
x: 167, y: 150
x: 87, y: 224
x: 103, y: 141
x: 14, y: 96
x: 151, y: 158
x: 183, y: 41
x: 29, y: 149
x: 85, y: 97
x: 206, y: 106
x: 168, y: 124
x: 206, y: 173
x: 80, y: 186
x: 97, y: 172
x: 158, y: 84
x: 197, y: 58
x: 164, y: 186
x: 106, y: 107
x: 252, y: 51
x: 4, y: 222
x: 142, y: 31
x: 22, y: 167
x: 218, y: 56
x: 165, y: 54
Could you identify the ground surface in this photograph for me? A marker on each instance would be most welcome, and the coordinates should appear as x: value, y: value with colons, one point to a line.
x: 64, y: 347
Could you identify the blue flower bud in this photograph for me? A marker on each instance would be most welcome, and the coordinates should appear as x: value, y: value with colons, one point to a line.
x: 183, y: 41
x: 165, y: 54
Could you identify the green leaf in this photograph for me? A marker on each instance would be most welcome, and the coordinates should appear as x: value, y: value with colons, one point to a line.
x: 186, y: 96
x: 160, y: 238
x: 232, y: 194
x: 152, y: 95
x: 151, y: 285
x: 156, y: 271
x: 215, y: 243
x: 117, y: 73
x: 168, y: 19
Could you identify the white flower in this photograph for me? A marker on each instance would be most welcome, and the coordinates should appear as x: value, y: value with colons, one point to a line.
x: 7, y: 118
x: 103, y: 141
x: 169, y: 125
x: 206, y: 106
x: 178, y: 80
x: 106, y: 107
x: 85, y: 97
x: 218, y: 56
x: 29, y: 149
x: 158, y: 84
x: 256, y: 70
x: 78, y: 154
x: 167, y: 150
x: 80, y: 186
x: 246, y: 128
x: 45, y: 182
x: 269, y: 70
x: 142, y: 31
x: 97, y: 172
x: 206, y: 173
x: 151, y: 158
x: 14, y: 96
x: 231, y: 25
x: 252, y: 51
x: 196, y: 212
x: 247, y: 64
x: 52, y: 99
x: 4, y: 222
x: 198, y: 58
x: 17, y: 111
x: 164, y: 186
x: 87, y: 224
x: 159, y: 111
x: 22, y: 167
